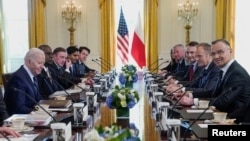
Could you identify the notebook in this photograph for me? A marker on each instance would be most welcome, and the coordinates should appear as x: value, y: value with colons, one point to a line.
x: 57, y: 105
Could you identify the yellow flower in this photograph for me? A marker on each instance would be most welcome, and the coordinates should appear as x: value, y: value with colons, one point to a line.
x: 123, y: 103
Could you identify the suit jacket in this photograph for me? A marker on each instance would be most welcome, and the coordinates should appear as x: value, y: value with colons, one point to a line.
x: 47, y: 85
x: 81, y: 69
x: 64, y: 78
x: 3, y: 111
x: 16, y: 101
x: 170, y: 67
x: 234, y: 91
x: 205, y: 86
x: 181, y: 69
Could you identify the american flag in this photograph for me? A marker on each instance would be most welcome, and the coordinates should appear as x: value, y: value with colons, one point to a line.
x: 122, y: 39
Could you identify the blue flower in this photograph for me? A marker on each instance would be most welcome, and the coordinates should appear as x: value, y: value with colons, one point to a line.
x: 109, y: 101
x: 130, y: 68
x: 135, y: 78
x: 133, y: 138
x: 131, y: 104
x: 122, y: 79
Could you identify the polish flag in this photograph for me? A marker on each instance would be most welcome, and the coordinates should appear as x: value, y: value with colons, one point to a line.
x: 138, y: 48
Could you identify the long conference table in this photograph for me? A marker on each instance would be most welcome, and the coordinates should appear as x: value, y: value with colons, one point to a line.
x: 140, y: 115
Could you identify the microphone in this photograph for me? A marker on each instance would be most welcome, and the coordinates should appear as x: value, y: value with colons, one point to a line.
x: 160, y: 65
x: 7, y: 138
x: 99, y: 64
x: 203, y: 112
x: 72, y: 98
x: 209, y: 107
x: 107, y: 62
x: 177, y: 101
x: 103, y: 63
x: 31, y: 98
x: 154, y: 62
x: 58, y: 84
x: 72, y: 84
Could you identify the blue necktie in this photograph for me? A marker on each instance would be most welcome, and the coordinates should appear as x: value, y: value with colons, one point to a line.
x: 35, y: 85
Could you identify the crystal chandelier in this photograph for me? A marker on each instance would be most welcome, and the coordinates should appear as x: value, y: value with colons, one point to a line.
x: 71, y: 13
x: 187, y: 11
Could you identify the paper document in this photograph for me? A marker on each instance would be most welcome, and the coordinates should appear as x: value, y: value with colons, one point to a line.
x: 199, y: 111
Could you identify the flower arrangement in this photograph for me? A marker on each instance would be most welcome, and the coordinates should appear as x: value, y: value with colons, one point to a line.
x: 122, y: 97
x: 129, y: 74
x: 113, y: 133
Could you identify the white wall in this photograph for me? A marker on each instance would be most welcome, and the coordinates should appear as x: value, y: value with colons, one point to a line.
x: 87, y: 29
x: 242, y: 31
x: 171, y: 30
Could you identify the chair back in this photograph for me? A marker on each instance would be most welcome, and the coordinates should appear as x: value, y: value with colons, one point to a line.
x: 6, y: 77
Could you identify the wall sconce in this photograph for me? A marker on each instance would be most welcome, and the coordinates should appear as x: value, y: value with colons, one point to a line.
x: 71, y: 13
x: 187, y: 11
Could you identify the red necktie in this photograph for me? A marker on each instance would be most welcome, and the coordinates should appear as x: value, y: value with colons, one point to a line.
x: 191, y: 72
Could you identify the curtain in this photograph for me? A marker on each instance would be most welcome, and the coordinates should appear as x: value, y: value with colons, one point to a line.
x: 225, y: 20
x: 108, y: 46
x: 108, y: 49
x: 151, y: 32
x: 1, y: 44
x: 36, y: 22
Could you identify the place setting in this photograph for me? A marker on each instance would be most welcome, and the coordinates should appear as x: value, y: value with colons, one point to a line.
x: 18, y: 124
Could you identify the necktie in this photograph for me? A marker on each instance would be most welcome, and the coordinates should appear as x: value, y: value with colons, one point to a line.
x: 72, y: 70
x: 221, y: 77
x: 61, y: 70
x: 48, y: 74
x: 191, y: 72
x: 35, y: 85
x: 220, y: 81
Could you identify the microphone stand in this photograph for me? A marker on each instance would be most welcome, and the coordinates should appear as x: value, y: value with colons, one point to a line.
x: 72, y: 84
x: 155, y: 62
x: 103, y: 63
x: 184, y: 134
x: 109, y: 65
x: 102, y: 66
x: 177, y: 101
x: 72, y: 98
x: 160, y: 65
x: 31, y: 98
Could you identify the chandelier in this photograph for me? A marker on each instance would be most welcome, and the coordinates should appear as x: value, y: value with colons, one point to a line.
x: 187, y: 11
x: 71, y: 13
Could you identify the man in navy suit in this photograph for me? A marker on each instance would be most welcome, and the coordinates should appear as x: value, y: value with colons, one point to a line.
x: 204, y: 87
x: 81, y: 68
x: 72, y: 55
x: 233, y: 91
x: 60, y: 69
x: 24, y: 82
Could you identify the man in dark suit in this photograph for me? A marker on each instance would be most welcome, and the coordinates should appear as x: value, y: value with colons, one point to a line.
x: 47, y: 83
x: 61, y: 73
x: 3, y: 112
x: 204, y: 87
x: 81, y: 68
x: 233, y: 92
x: 182, y: 65
x: 24, y: 82
x: 72, y: 55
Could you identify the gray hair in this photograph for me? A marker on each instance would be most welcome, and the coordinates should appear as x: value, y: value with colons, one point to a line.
x: 32, y: 53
